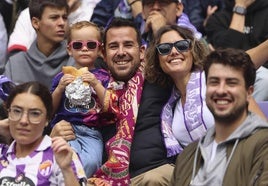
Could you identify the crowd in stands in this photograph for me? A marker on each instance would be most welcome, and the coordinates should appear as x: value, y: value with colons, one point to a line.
x: 133, y: 92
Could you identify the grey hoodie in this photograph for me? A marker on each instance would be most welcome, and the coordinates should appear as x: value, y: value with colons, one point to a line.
x: 35, y: 66
x: 213, y: 170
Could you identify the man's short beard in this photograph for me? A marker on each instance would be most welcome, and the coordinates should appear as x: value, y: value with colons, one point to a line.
x: 125, y: 78
x: 231, y: 116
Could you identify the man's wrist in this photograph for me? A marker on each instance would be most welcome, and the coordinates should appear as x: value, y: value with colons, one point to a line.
x: 240, y: 10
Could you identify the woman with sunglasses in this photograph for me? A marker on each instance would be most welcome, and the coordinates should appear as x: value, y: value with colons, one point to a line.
x: 33, y: 158
x: 175, y: 58
x: 83, y: 114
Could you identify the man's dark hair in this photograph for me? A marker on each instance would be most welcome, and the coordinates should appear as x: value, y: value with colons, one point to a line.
x: 235, y: 58
x: 36, y: 7
x: 121, y: 22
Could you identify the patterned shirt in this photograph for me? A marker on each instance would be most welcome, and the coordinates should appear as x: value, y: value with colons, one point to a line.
x: 82, y: 114
x: 39, y: 168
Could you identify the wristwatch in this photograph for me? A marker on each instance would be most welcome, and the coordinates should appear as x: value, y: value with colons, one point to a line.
x: 240, y: 10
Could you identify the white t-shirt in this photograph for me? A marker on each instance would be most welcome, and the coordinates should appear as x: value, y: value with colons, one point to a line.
x: 179, y: 128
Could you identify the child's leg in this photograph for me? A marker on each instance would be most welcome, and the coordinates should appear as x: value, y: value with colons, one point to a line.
x: 89, y: 146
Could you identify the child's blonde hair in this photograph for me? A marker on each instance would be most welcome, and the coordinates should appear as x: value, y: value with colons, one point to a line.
x: 82, y: 24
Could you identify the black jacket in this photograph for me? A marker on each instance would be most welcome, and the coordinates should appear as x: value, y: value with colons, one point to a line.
x: 148, y: 149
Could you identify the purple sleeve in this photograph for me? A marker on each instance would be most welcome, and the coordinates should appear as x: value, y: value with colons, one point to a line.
x: 56, y: 81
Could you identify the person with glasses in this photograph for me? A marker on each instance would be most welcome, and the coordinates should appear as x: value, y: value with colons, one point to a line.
x: 176, y: 58
x: 33, y: 158
x: 78, y: 104
x: 47, y: 54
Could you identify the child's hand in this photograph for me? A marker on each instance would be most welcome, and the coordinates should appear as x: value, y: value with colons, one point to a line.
x: 63, y: 152
x: 65, y: 80
x: 90, y: 78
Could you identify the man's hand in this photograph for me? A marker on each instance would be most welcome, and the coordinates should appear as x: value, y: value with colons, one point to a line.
x: 64, y: 130
x: 155, y: 21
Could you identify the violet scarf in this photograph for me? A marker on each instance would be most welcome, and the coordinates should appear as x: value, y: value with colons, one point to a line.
x: 123, y: 100
x: 193, y: 110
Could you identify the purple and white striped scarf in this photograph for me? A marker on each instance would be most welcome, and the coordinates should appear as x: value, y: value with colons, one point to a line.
x: 193, y: 117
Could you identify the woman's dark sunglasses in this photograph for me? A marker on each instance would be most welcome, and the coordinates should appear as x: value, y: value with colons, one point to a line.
x: 90, y: 44
x: 181, y: 46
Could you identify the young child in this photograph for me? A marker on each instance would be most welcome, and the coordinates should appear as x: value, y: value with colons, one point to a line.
x: 84, y: 46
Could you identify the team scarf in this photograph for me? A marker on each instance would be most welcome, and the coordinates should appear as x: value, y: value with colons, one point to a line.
x: 193, y: 114
x: 123, y: 99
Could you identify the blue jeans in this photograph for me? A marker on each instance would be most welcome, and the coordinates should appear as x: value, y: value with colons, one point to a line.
x: 89, y: 146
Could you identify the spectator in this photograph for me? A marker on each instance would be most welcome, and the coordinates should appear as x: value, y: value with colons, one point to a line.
x: 234, y: 152
x: 123, y: 52
x: 47, y: 53
x: 34, y: 158
x: 175, y: 58
x: 240, y: 25
x: 158, y: 13
x: 83, y: 113
x: 78, y: 10
x: 149, y: 15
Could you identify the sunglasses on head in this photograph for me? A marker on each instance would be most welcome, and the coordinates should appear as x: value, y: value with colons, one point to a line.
x: 90, y: 44
x: 181, y: 46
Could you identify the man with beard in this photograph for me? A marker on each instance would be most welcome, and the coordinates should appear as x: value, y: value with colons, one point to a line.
x: 235, y: 151
x: 124, y: 53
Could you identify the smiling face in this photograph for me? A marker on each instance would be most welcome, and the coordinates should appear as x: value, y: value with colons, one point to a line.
x: 85, y: 57
x: 226, y: 95
x: 25, y: 133
x: 176, y: 64
x: 122, y: 52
